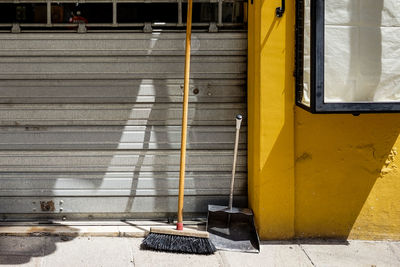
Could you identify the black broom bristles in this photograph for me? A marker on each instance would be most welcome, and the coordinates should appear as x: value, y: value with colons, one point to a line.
x: 178, y: 243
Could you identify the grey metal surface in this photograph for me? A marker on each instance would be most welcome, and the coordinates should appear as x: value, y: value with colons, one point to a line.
x: 117, y: 161
x: 98, y: 183
x: 119, y: 91
x: 121, y: 44
x: 90, y: 122
x: 144, y: 114
x: 112, y: 137
x: 105, y: 206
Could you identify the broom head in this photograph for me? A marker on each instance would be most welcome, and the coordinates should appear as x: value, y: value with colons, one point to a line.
x: 180, y: 241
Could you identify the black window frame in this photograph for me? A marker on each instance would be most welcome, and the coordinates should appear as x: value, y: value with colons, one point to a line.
x: 316, y: 94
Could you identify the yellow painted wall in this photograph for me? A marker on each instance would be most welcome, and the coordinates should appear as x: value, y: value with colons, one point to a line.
x: 271, y: 124
x: 313, y: 175
x: 347, y: 183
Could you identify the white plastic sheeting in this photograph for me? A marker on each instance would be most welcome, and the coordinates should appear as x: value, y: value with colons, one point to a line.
x: 362, y: 51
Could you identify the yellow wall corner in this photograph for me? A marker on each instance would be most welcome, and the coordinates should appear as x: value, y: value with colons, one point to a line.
x: 313, y: 176
x: 271, y: 124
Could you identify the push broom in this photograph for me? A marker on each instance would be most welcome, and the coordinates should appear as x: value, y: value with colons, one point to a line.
x: 180, y: 239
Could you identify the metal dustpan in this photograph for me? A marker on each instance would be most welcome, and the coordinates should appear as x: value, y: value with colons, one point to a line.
x: 233, y: 228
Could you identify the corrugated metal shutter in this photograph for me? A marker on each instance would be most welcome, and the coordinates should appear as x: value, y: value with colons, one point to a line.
x: 90, y: 123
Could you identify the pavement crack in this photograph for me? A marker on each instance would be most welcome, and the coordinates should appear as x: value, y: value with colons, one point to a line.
x: 305, y: 252
x: 222, y: 262
x: 131, y: 252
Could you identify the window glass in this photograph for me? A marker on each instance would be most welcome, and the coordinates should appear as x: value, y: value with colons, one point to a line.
x: 202, y: 12
x: 147, y: 12
x: 88, y: 13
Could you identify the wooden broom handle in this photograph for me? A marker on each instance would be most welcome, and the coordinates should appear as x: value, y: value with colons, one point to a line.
x: 179, y: 225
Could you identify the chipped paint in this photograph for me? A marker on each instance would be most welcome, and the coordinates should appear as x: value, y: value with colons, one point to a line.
x: 304, y: 156
x: 389, y: 163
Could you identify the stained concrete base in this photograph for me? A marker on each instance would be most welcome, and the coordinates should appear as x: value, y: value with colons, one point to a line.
x: 122, y: 251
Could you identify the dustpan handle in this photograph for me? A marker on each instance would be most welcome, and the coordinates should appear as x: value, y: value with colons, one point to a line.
x: 238, y: 123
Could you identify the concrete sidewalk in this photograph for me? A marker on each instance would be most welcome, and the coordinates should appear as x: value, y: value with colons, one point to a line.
x: 122, y: 251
